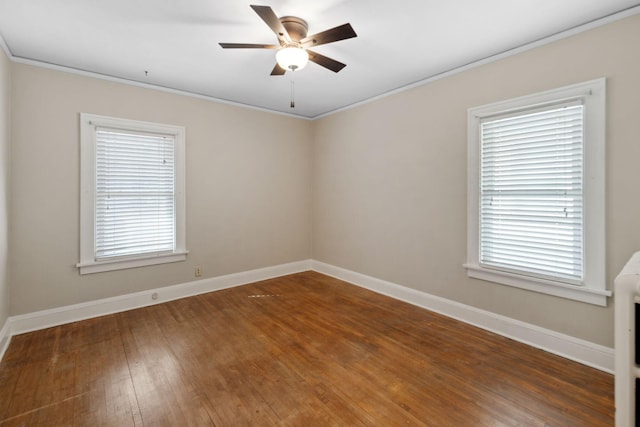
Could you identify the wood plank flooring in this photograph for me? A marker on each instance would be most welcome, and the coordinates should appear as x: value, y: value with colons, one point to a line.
x: 300, y: 350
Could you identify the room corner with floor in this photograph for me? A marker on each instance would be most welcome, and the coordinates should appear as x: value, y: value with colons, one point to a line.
x: 325, y: 277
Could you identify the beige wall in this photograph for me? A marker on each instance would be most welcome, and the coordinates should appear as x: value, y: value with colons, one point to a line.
x: 390, y: 177
x: 5, y: 136
x: 381, y: 188
x: 248, y: 187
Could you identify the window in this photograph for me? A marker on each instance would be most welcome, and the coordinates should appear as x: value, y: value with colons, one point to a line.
x: 132, y: 194
x: 536, y: 192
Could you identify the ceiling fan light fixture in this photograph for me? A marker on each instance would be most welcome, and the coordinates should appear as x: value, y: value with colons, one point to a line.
x: 292, y: 58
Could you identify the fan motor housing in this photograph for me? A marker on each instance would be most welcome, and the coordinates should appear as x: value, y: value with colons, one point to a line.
x: 296, y: 27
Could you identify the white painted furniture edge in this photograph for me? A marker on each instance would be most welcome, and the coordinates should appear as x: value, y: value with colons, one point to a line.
x: 627, y: 289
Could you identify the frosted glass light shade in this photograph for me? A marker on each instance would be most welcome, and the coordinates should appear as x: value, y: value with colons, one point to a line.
x: 292, y: 58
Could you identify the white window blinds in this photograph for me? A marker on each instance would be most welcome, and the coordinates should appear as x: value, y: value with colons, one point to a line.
x: 134, y: 199
x: 531, y: 192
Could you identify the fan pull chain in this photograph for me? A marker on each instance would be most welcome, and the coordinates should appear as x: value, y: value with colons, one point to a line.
x: 293, y: 102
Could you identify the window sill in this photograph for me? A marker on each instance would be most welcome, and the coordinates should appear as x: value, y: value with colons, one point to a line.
x: 121, y: 264
x: 549, y: 287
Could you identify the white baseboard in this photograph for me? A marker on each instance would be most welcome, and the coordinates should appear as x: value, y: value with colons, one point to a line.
x: 5, y: 338
x: 585, y: 352
x: 581, y: 351
x: 72, y: 313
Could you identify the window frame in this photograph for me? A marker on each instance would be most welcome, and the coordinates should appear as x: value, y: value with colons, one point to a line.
x: 593, y: 288
x: 88, y: 263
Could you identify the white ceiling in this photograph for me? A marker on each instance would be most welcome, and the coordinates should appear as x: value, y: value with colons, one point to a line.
x: 399, y: 42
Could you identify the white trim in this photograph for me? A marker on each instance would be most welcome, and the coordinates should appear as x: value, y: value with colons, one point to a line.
x: 73, y: 313
x: 5, y: 48
x: 120, y: 264
x: 593, y: 289
x: 88, y: 125
x: 549, y: 287
x: 165, y: 89
x: 5, y: 337
x: 585, y: 352
x: 634, y: 10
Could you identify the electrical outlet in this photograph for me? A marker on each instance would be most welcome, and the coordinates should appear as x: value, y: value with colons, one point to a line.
x: 198, y: 272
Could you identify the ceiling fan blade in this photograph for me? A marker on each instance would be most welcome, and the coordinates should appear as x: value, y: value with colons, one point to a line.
x: 271, y: 19
x: 341, y: 32
x: 248, y: 46
x: 278, y: 71
x: 325, y: 61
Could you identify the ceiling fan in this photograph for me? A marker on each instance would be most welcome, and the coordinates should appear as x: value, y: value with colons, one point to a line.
x: 293, y: 42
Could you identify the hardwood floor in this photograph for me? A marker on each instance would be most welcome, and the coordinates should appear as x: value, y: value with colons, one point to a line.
x: 305, y: 350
